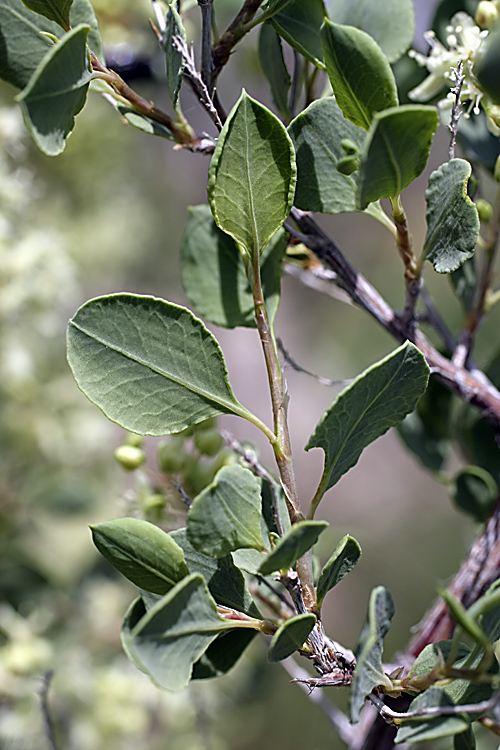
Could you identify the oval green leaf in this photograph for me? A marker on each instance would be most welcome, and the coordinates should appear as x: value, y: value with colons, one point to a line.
x: 225, y: 516
x: 57, y: 91
x: 274, y: 68
x: 252, y: 175
x: 452, y: 218
x: 142, y: 552
x: 149, y: 365
x: 361, y: 77
x: 299, y: 24
x: 388, y: 164
x: 290, y: 637
x: 222, y: 654
x: 54, y: 10
x: 431, y: 727
x: 342, y: 561
x: 391, y: 23
x: 174, y: 60
x: 295, y: 543
x: 214, y: 276
x: 378, y: 399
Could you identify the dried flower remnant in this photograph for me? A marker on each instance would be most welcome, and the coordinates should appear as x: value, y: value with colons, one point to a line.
x: 463, y: 43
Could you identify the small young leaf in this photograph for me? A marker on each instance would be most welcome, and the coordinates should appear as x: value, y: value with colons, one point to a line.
x: 141, y: 122
x: 431, y: 727
x: 464, y: 619
x: 54, y: 10
x: 274, y: 68
x: 475, y: 492
x: 166, y: 641
x: 214, y: 276
x: 388, y: 165
x: 142, y: 552
x: 151, y: 366
x: 299, y: 24
x: 290, y: 636
x: 173, y: 58
x: 391, y: 23
x: 226, y: 515
x: 344, y: 558
x: 295, y: 543
x: 224, y: 580
x: 369, y: 672
x: 252, y: 175
x: 57, y: 91
x: 452, y: 219
x: 361, y: 77
x: 222, y: 654
x: 377, y: 400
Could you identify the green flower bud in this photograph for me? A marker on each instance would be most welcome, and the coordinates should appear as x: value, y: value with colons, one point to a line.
x: 349, y: 147
x: 208, y: 442
x: 129, y: 457
x: 347, y: 165
x: 484, y: 209
x: 486, y: 14
x: 134, y: 440
x: 171, y: 456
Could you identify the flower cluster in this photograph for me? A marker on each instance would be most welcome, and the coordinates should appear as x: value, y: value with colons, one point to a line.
x: 463, y: 42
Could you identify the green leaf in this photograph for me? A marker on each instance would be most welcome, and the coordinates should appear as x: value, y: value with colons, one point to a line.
x: 142, y: 552
x: 222, y: 654
x: 361, y: 77
x: 290, y: 636
x: 452, y: 218
x: 388, y: 165
x: 463, y: 282
x: 214, y: 276
x: 173, y: 58
x: 391, y: 23
x: 224, y: 580
x: 464, y: 619
x: 57, y: 91
x: 431, y: 728
x: 475, y: 492
x: 295, y: 543
x: 274, y: 68
x: 141, y: 122
x: 378, y: 399
x: 226, y: 515
x: 252, y: 174
x: 369, y: 672
x: 465, y: 740
x: 166, y: 641
x: 54, y: 10
x: 299, y: 24
x: 248, y: 560
x: 151, y: 366
x: 23, y: 46
x: 344, y: 558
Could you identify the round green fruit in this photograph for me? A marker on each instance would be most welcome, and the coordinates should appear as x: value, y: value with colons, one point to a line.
x: 129, y: 457
x: 208, y: 442
x: 171, y: 456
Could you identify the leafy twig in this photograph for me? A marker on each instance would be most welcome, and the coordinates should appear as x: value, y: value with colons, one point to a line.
x: 196, y: 82
x: 464, y: 708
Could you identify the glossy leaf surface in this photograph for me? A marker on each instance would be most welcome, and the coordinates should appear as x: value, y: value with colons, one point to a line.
x: 226, y: 515
x: 252, y: 176
x: 369, y: 672
x: 377, y: 400
x: 361, y: 77
x: 452, y: 218
x: 388, y: 164
x: 342, y: 561
x: 290, y: 637
x: 142, y: 552
x: 299, y: 24
x: 151, y: 366
x: 391, y: 23
x: 214, y: 276
x: 57, y: 92
x: 295, y: 543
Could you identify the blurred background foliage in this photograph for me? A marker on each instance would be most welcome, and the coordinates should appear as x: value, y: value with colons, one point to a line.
x: 108, y: 216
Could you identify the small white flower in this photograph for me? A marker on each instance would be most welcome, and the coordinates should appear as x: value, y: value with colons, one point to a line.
x: 463, y: 41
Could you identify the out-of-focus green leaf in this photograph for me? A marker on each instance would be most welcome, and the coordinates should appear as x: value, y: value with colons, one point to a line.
x: 344, y: 558
x: 391, y: 23
x: 295, y: 543
x: 214, y: 276
x: 475, y: 492
x: 387, y: 164
x: 452, y: 219
x: 299, y: 24
x: 465, y: 740
x: 226, y: 515
x: 54, y: 10
x: 290, y: 636
x: 57, y: 91
x: 252, y: 176
x: 369, y: 672
x: 274, y: 68
x: 166, y: 641
x: 361, y: 77
x: 151, y: 366
x: 142, y: 552
x: 463, y: 282
x: 173, y: 58
x: 378, y: 399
